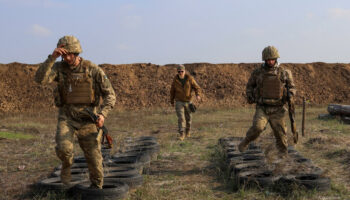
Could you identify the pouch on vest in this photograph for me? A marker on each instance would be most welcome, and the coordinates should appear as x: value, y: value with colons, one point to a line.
x: 272, y: 89
x: 79, y: 89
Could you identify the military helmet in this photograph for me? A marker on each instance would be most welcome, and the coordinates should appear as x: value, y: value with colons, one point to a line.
x: 70, y: 43
x: 270, y: 52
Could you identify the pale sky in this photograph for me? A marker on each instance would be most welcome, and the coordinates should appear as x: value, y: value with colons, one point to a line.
x: 177, y: 31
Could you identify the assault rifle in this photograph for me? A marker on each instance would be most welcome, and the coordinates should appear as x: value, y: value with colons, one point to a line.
x: 105, y: 135
x: 291, y: 111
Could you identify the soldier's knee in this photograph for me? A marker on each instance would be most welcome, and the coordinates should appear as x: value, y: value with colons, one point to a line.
x: 65, y: 146
x: 64, y: 149
x: 258, y: 128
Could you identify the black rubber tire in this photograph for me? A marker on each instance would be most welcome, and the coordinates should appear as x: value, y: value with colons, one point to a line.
x: 106, y: 170
x: 144, y: 157
x: 74, y: 165
x: 231, y: 149
x: 110, y: 190
x: 132, y: 180
x: 74, y: 172
x: 302, y: 160
x: 229, y: 139
x: 247, y: 158
x: 143, y: 138
x: 148, y: 145
x: 138, y: 139
x: 114, y: 168
x: 150, y: 151
x: 233, y: 154
x: 255, y: 165
x: 247, y: 152
x: 106, y: 152
x: 142, y: 142
x: 136, y: 165
x: 253, y: 146
x: 313, y: 181
x: 79, y: 159
x: 121, y: 173
x: 54, y: 183
x: 261, y: 178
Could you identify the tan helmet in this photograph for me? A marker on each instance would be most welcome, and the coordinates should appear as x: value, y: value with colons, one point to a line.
x: 270, y: 52
x: 70, y: 43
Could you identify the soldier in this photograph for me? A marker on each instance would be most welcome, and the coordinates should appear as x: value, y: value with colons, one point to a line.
x: 269, y: 87
x: 181, y: 92
x: 80, y: 86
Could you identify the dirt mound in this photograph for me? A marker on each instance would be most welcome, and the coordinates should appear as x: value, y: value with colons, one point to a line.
x: 143, y: 85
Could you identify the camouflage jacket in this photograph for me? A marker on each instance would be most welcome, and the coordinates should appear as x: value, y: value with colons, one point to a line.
x: 50, y: 71
x: 183, y: 93
x: 255, y: 82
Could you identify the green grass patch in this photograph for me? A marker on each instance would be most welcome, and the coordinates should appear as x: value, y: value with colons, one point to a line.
x: 28, y: 125
x: 12, y: 136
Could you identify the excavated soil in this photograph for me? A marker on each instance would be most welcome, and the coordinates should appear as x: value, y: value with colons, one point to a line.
x: 143, y: 85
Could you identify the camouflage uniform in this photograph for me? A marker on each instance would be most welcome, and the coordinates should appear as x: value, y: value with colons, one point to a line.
x: 269, y: 110
x: 72, y: 119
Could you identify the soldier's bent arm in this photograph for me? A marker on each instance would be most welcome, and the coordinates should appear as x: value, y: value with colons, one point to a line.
x: 47, y: 71
x: 290, y: 83
x: 108, y: 94
x: 196, y: 87
x: 250, y: 86
x: 172, y: 92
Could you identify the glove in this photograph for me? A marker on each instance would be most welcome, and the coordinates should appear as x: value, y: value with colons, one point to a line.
x: 250, y: 99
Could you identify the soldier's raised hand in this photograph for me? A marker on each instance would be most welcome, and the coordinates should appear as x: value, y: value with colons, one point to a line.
x: 59, y: 51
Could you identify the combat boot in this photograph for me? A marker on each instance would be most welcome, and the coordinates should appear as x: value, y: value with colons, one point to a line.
x: 188, y: 133
x: 243, y: 145
x: 182, y: 136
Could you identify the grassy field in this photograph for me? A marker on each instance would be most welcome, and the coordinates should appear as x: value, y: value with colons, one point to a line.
x: 190, y: 169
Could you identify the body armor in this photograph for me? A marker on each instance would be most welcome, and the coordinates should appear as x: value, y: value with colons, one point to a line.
x: 272, y: 90
x: 77, y: 88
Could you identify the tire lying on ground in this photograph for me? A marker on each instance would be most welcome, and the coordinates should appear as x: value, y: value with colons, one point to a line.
x: 105, y: 151
x: 85, y: 171
x: 261, y: 178
x: 246, y: 158
x: 142, y: 142
x: 346, y: 120
x: 224, y: 140
x: 248, y: 152
x: 142, y: 157
x: 150, y: 150
x: 151, y: 145
x: 110, y: 190
x: 253, y: 165
x: 313, y: 181
x: 301, y: 159
x: 54, y: 183
x: 140, y: 139
x: 126, y: 163
x: 133, y: 181
x: 74, y: 165
x: 74, y: 172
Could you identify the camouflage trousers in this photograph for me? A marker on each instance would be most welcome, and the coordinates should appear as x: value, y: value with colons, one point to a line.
x: 183, y: 116
x: 276, y: 117
x: 90, y: 142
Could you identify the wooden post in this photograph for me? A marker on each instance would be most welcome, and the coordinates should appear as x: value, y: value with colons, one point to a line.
x: 303, y: 120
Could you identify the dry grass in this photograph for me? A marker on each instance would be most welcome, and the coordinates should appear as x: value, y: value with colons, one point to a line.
x: 192, y: 169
